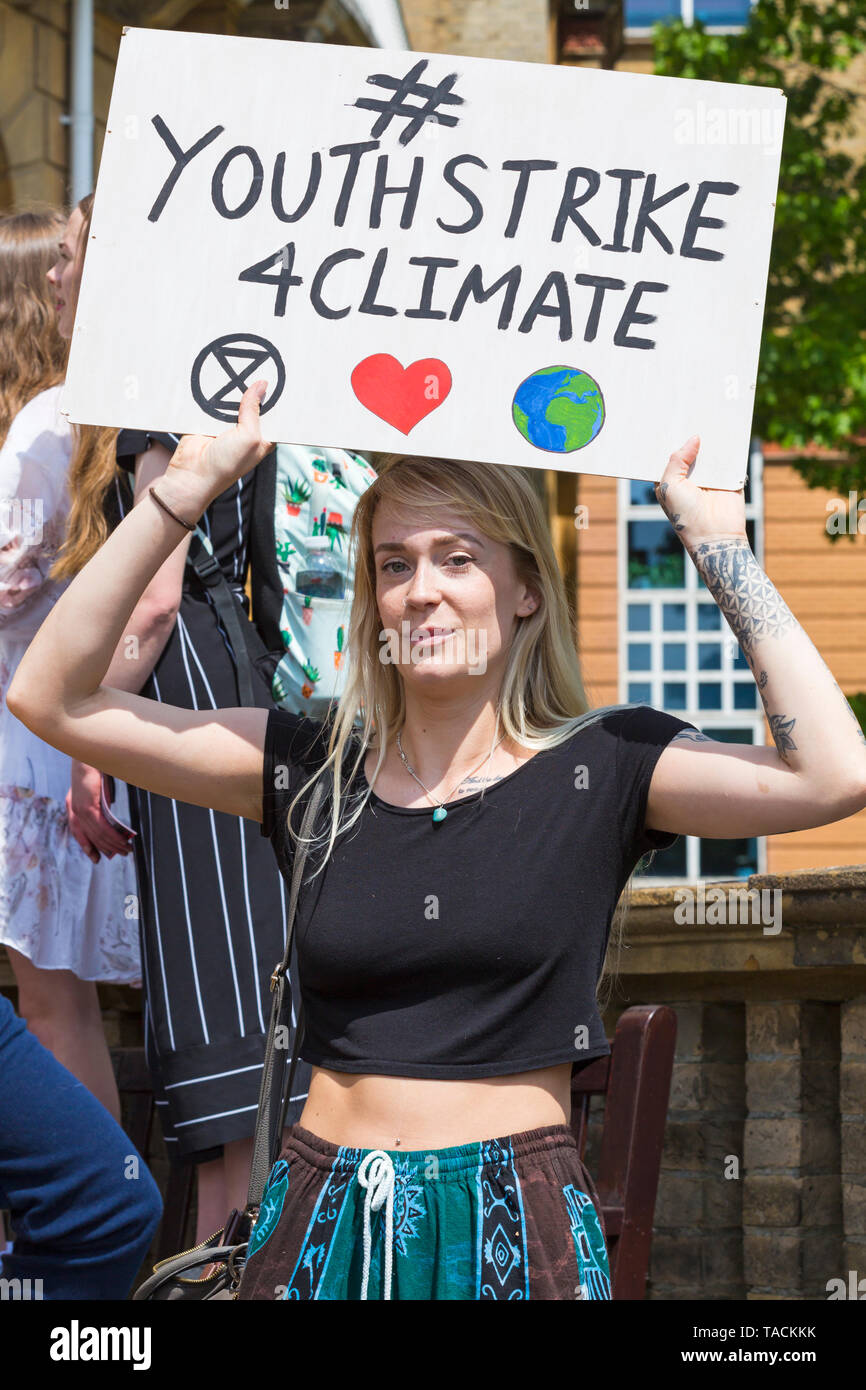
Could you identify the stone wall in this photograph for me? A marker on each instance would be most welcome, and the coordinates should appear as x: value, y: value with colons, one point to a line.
x: 763, y: 1184
x: 33, y: 97
x: 516, y: 29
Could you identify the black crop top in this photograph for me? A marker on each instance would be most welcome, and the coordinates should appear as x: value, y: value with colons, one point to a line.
x: 472, y: 947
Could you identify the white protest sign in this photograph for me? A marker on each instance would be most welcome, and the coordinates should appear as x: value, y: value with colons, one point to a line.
x: 440, y: 255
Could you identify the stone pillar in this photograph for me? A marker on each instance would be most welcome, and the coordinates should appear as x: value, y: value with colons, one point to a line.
x: 792, y: 1230
x: 697, y: 1247
x: 852, y: 1104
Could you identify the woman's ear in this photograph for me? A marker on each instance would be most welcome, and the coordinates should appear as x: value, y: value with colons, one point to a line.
x: 529, y: 604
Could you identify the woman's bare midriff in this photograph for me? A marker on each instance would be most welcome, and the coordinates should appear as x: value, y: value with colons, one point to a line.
x: 398, y: 1112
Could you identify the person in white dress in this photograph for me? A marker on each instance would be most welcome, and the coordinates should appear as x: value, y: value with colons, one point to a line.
x: 68, y: 918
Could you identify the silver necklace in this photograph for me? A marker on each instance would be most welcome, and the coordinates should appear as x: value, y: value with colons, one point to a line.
x: 440, y: 812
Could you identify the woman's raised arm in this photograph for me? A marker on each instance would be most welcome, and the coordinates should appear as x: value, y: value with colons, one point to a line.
x: 207, y: 757
x: 816, y: 773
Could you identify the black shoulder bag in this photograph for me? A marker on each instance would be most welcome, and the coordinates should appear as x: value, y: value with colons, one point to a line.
x: 187, y: 1275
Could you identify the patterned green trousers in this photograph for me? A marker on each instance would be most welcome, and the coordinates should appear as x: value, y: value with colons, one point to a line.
x: 510, y: 1218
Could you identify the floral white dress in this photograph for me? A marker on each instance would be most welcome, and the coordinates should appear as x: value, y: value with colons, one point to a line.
x: 57, y: 907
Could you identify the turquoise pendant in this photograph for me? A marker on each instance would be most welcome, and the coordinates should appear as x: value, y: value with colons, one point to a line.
x: 440, y: 813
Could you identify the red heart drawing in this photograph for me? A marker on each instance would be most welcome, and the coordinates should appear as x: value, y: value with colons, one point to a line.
x: 401, y: 396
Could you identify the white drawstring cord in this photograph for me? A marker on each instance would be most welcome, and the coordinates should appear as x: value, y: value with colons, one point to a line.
x: 376, y: 1174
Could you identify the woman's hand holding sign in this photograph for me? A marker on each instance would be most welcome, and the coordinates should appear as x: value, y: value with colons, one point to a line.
x: 203, y: 466
x: 699, y: 514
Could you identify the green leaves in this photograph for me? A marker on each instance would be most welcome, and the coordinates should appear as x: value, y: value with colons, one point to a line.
x: 811, y: 385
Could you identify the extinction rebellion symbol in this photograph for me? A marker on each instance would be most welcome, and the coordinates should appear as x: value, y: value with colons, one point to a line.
x: 225, y: 368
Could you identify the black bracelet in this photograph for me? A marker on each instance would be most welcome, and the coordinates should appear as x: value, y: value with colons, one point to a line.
x: 166, y: 508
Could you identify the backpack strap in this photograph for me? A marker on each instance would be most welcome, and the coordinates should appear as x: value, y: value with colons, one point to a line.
x: 209, y: 571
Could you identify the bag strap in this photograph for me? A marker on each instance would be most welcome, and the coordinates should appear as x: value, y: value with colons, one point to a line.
x: 209, y: 571
x: 272, y: 1106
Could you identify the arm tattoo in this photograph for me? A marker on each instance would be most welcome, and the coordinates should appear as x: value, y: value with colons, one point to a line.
x: 780, y: 728
x: 690, y: 736
x: 673, y: 517
x: 750, y: 602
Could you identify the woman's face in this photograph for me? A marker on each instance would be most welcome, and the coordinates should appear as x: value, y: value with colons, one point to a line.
x: 65, y: 275
x: 448, y: 597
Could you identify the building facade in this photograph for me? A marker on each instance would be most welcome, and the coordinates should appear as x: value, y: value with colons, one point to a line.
x: 646, y: 630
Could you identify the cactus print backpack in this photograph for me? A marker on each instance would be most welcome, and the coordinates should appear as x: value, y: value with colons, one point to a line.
x: 314, y: 498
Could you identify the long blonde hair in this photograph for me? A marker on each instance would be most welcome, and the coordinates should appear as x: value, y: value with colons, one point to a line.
x: 92, y: 468
x: 542, y: 692
x: 32, y: 352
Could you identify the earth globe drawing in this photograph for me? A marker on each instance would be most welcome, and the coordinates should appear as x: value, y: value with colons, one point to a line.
x: 559, y: 409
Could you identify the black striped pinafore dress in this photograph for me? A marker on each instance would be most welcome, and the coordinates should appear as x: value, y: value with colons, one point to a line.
x: 212, y: 901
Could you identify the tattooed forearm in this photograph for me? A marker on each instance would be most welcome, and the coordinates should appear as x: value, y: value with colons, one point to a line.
x: 780, y: 728
x: 673, y: 517
x: 751, y: 604
x: 690, y: 736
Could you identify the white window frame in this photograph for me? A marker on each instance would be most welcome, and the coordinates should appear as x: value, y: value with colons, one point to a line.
x: 705, y: 720
x: 687, y: 14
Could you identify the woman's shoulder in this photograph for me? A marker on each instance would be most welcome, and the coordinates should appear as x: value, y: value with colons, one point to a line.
x: 37, y: 448
x: 296, y: 739
x: 41, y: 416
x: 632, y: 725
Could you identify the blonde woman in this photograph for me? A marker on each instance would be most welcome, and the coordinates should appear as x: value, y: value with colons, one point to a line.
x: 450, y: 950
x: 65, y: 920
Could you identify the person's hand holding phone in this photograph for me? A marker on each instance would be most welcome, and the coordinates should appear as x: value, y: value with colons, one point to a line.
x: 89, y: 827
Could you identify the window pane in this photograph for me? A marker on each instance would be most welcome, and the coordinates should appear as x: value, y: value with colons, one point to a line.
x: 709, y: 617
x: 674, y: 656
x: 656, y: 559
x: 750, y: 533
x: 640, y: 693
x: 729, y: 859
x: 723, y: 12
x: 642, y: 14
x: 731, y: 735
x: 674, y: 696
x: 639, y: 617
x: 639, y: 656
x: 709, y: 656
x: 666, y: 863
x: 745, y: 696
x: 674, y: 617
x: 642, y: 494
x: 709, y: 695
x: 740, y: 662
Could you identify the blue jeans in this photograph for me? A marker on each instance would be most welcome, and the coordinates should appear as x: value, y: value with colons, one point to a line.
x: 84, y: 1205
